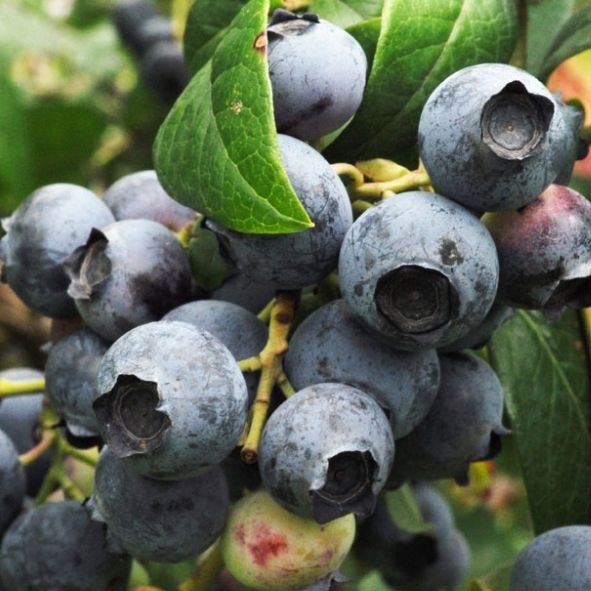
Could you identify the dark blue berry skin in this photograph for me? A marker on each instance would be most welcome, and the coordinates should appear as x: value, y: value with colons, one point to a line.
x: 446, y: 572
x: 463, y: 425
x: 172, y: 400
x: 157, y: 520
x: 70, y: 376
x: 298, y: 259
x: 132, y: 272
x: 13, y: 482
x: 240, y: 330
x: 436, y: 559
x: 317, y: 73
x: 418, y: 270
x: 241, y: 290
x: 19, y: 419
x: 140, y: 195
x: 156, y: 29
x: 326, y: 452
x: 163, y: 70
x: 40, y: 234
x: 493, y: 137
x: 330, y: 345
x: 479, y: 336
x: 434, y: 508
x: 557, y: 560
x: 55, y: 546
x: 545, y: 252
x: 130, y: 17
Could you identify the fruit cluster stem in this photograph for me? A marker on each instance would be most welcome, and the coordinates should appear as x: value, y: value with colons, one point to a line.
x: 16, y: 388
x: 282, y: 316
x: 390, y: 179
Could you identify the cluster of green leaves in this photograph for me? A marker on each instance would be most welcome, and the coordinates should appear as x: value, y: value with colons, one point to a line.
x: 217, y: 152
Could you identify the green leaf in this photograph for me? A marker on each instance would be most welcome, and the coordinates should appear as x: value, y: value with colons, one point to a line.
x: 207, y: 264
x: 207, y: 23
x: 543, y: 369
x: 544, y: 19
x: 367, y: 34
x: 217, y: 150
x: 573, y: 38
x: 16, y: 180
x: 345, y: 13
x: 421, y: 43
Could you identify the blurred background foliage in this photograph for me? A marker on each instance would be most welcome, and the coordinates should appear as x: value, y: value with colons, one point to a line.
x: 72, y: 107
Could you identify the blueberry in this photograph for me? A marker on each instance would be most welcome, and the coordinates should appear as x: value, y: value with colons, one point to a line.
x: 130, y: 273
x: 155, y: 29
x: 70, y: 376
x: 240, y: 330
x: 163, y: 70
x: 13, y: 482
x: 446, y: 572
x: 463, y: 425
x: 172, y: 400
x: 326, y: 451
x: 159, y: 520
x: 418, y: 270
x: 574, y: 148
x: 557, y: 560
x: 479, y: 336
x: 296, y: 260
x: 19, y: 419
x: 434, y: 508
x: 41, y: 233
x: 492, y: 137
x: 239, y: 289
x: 331, y: 346
x: 437, y: 558
x: 266, y: 547
x: 140, y: 195
x: 545, y: 252
x: 129, y: 18
x: 317, y: 73
x: 57, y: 546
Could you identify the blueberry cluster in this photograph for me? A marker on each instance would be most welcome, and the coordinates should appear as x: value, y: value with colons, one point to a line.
x: 149, y: 35
x: 372, y: 389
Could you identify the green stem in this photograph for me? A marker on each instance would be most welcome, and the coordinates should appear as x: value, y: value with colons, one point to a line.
x: 77, y: 454
x: 359, y: 206
x: 415, y: 179
x: 265, y: 314
x: 271, y: 360
x: 46, y: 442
x: 71, y: 491
x: 349, y: 171
x: 251, y: 364
x: 207, y: 572
x: 16, y: 388
x: 285, y: 386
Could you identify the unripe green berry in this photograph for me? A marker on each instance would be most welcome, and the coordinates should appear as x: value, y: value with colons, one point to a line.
x: 270, y: 549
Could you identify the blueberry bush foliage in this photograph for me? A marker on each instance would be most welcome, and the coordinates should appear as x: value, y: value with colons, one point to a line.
x: 73, y: 108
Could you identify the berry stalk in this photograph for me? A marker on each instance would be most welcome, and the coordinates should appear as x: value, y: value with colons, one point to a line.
x: 282, y: 316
